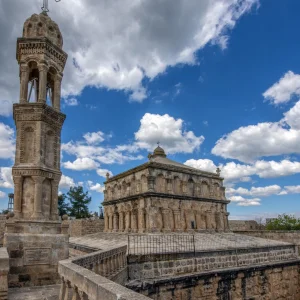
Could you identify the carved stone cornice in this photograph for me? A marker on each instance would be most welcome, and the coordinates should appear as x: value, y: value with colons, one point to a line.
x: 42, y: 46
x: 38, y: 112
x: 163, y: 197
x: 32, y: 171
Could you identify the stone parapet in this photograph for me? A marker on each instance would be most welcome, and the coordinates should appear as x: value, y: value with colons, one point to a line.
x: 81, y: 227
x: 90, y: 277
x: 4, y: 269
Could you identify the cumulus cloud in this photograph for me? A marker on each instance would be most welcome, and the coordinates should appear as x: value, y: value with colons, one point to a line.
x: 94, y: 137
x: 103, y: 172
x: 116, y: 44
x: 255, y: 191
x: 81, y: 164
x: 283, y: 90
x: 169, y: 132
x: 96, y: 187
x: 234, y: 172
x: 7, y: 144
x: 241, y: 201
x: 264, y: 139
x: 6, y: 180
x: 291, y: 189
x: 66, y: 182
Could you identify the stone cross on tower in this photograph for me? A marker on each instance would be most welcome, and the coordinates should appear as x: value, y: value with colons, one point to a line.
x: 36, y: 171
x: 45, y: 8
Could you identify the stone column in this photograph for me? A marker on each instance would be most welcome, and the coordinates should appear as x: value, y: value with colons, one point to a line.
x: 220, y: 221
x: 43, y: 69
x: 110, y: 222
x: 208, y: 220
x: 18, y: 182
x: 226, y: 224
x: 151, y: 180
x: 62, y: 289
x: 57, y: 92
x: 169, y: 186
x: 133, y: 221
x: 106, y: 222
x: 37, y: 214
x: 166, y: 223
x: 75, y: 293
x: 141, y: 220
x: 127, y: 221
x: 116, y: 222
x: 54, y: 200
x: 177, y: 221
x: 24, y: 79
x: 121, y: 221
x: 153, y: 212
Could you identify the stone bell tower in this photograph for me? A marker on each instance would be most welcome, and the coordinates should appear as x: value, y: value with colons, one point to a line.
x: 34, y: 236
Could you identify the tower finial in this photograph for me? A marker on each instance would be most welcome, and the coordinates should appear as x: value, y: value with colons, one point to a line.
x: 45, y: 7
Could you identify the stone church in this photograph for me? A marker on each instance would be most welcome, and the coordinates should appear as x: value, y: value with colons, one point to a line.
x: 163, y: 195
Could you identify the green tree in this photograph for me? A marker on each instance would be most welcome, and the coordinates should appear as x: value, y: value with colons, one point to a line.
x: 63, y: 206
x: 284, y: 222
x: 4, y: 212
x: 79, y: 202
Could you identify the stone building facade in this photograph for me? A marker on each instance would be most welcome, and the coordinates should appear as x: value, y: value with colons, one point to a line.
x: 165, y: 196
x: 34, y: 236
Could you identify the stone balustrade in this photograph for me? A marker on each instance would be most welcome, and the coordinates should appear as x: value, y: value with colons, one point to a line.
x: 4, y: 269
x: 96, y: 276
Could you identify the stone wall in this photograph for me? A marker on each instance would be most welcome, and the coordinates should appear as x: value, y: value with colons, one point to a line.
x: 82, y: 227
x: 2, y: 228
x: 4, y: 268
x: 237, y: 225
x: 277, y: 281
x: 158, y: 266
x: 292, y: 237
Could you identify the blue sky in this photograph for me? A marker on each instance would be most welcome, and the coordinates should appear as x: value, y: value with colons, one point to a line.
x: 216, y: 82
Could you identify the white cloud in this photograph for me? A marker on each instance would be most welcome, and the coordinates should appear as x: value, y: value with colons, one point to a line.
x: 2, y: 194
x: 6, y: 180
x: 94, y: 138
x: 264, y: 139
x: 66, y: 182
x: 7, y: 144
x: 292, y: 189
x: 81, y: 164
x: 169, y: 132
x: 96, y: 187
x: 103, y: 172
x: 71, y: 101
x: 241, y: 201
x: 255, y: 191
x: 283, y: 90
x: 134, y: 40
x: 233, y: 172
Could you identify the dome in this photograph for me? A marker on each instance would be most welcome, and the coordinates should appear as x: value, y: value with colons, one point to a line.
x: 39, y: 26
x: 158, y: 151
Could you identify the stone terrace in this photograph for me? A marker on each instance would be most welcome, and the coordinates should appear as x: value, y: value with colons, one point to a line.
x: 203, y: 241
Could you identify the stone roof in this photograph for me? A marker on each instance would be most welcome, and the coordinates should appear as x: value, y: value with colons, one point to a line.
x: 159, y: 159
x: 42, y: 26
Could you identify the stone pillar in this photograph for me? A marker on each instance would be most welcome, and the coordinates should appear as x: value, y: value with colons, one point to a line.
x: 133, y: 221
x: 141, y: 220
x: 110, y: 222
x: 226, y: 224
x: 208, y: 220
x: 24, y: 79
x: 127, y: 221
x: 177, y: 221
x: 57, y: 92
x: 116, y: 223
x: 169, y: 186
x: 75, y: 293
x: 106, y: 222
x: 43, y: 69
x: 62, y: 289
x: 18, y: 182
x: 151, y: 181
x: 37, y: 214
x: 165, y: 217
x: 121, y: 221
x: 153, y: 212
x: 220, y: 221
x: 54, y: 200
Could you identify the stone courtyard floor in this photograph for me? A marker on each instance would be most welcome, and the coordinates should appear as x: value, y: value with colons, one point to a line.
x: 173, y: 242
x: 50, y: 292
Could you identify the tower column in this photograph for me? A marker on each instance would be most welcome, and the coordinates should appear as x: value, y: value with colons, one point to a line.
x: 166, y: 223
x: 54, y: 195
x: 141, y: 218
x: 57, y: 92
x: 37, y: 214
x: 18, y: 180
x: 24, y: 78
x: 43, y: 69
x: 177, y: 223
